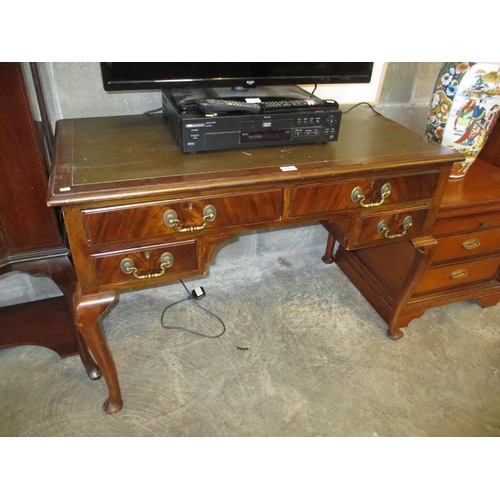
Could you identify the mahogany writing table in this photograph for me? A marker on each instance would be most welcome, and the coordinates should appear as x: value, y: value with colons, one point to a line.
x: 139, y: 212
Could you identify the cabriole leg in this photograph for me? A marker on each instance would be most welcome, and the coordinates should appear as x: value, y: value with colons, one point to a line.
x: 88, y: 310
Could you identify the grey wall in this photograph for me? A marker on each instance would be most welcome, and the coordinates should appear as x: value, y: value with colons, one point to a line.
x: 75, y: 90
x: 406, y: 93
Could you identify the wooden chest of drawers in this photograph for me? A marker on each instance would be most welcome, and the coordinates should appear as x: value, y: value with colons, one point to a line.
x: 466, y: 259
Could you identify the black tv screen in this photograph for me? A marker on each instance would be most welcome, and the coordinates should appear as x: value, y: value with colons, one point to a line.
x: 161, y: 75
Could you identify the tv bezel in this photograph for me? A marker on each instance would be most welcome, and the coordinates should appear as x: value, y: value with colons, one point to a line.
x: 344, y: 74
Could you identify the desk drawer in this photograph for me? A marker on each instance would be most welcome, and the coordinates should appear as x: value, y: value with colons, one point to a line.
x: 145, y: 265
x: 328, y: 198
x: 468, y: 245
x: 459, y: 274
x: 145, y: 220
x: 391, y: 226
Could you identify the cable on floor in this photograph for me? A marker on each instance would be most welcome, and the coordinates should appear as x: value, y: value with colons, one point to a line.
x: 196, y: 302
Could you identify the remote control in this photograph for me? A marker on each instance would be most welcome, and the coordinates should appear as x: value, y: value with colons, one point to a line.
x: 291, y: 105
x: 227, y: 106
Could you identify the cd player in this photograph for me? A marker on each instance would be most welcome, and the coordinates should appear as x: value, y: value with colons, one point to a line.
x: 196, y: 130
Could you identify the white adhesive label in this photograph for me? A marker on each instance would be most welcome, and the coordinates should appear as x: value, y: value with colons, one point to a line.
x: 288, y: 169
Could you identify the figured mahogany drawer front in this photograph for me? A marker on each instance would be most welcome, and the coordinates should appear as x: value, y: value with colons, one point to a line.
x: 475, y: 222
x: 468, y: 245
x: 329, y: 198
x: 145, y: 220
x: 146, y: 265
x: 390, y: 226
x: 458, y: 274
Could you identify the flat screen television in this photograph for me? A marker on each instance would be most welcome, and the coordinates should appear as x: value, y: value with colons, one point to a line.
x: 240, y: 75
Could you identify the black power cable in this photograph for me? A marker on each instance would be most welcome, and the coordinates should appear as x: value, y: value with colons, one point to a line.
x: 359, y: 104
x: 196, y: 302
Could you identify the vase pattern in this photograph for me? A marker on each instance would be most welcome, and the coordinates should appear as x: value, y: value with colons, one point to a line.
x: 464, y: 108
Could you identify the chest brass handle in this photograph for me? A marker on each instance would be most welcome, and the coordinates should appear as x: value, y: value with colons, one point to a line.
x: 358, y: 197
x: 170, y: 219
x: 384, y: 228
x: 128, y: 267
x: 459, y: 273
x: 471, y: 244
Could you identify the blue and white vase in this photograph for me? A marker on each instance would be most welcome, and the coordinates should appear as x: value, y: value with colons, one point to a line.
x: 464, y: 108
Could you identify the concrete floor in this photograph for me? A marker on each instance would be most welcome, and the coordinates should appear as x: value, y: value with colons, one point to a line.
x: 303, y: 354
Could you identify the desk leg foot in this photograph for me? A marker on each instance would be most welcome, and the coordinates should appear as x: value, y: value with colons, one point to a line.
x: 111, y: 406
x: 489, y: 301
x: 395, y: 334
x: 425, y: 251
x: 88, y: 362
x: 328, y: 258
x: 88, y: 310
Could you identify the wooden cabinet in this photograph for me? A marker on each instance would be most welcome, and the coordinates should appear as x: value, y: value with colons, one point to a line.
x: 465, y: 259
x: 30, y: 236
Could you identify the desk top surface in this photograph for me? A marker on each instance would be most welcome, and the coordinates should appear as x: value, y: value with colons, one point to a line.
x: 116, y: 157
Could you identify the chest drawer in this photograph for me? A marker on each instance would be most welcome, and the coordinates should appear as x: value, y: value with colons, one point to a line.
x: 151, y: 219
x: 145, y: 265
x: 328, y: 198
x: 458, y: 274
x: 467, y: 245
x: 467, y: 223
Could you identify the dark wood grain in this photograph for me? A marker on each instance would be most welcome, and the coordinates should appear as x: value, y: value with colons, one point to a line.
x: 140, y: 221
x: 332, y: 197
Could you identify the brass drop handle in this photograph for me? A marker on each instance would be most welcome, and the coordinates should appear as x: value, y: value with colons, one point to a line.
x: 384, y: 228
x: 128, y: 267
x: 358, y: 197
x: 459, y: 273
x: 171, y: 220
x: 471, y: 244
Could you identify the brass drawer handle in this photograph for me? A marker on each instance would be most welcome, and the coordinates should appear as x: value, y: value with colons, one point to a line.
x: 459, y: 273
x: 128, y: 267
x: 384, y: 228
x: 358, y: 197
x: 471, y: 244
x: 171, y: 220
